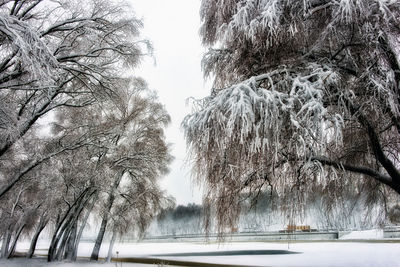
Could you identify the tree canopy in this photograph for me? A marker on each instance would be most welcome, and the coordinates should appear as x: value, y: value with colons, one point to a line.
x: 70, y: 64
x: 62, y: 53
x: 305, y: 99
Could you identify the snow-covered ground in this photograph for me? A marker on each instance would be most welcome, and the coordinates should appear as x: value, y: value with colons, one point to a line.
x: 335, y: 253
x: 367, y: 234
x: 310, y: 254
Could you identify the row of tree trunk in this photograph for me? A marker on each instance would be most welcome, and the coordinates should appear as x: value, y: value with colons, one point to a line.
x: 66, y: 237
x: 65, y: 240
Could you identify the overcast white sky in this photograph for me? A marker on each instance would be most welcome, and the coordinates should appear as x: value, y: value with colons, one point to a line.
x: 173, y: 28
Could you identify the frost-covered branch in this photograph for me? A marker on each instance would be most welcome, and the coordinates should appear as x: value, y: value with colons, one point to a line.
x: 359, y: 170
x: 33, y: 164
x: 252, y: 115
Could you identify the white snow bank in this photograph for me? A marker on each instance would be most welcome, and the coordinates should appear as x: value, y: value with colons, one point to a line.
x: 367, y: 234
x: 338, y: 254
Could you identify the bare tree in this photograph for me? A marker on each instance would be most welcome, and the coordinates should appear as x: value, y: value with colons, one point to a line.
x: 306, y: 98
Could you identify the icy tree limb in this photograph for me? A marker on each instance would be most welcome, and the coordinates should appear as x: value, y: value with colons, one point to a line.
x: 378, y: 150
x: 34, y: 163
x: 395, y: 66
x: 358, y: 169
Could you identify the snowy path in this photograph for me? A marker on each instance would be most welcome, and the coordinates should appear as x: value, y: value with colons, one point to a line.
x: 339, y: 253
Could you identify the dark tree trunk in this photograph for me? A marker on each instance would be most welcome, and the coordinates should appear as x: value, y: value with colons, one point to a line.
x: 82, y: 227
x: 62, y: 249
x: 71, y: 227
x: 99, y: 239
x: 69, y: 250
x: 6, y: 243
x: 100, y: 236
x: 63, y: 231
x: 51, y: 254
x: 14, y: 243
x: 39, y: 229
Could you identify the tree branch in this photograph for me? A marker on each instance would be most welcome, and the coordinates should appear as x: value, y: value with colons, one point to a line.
x: 378, y: 150
x: 36, y: 162
x: 358, y: 169
x: 58, y: 26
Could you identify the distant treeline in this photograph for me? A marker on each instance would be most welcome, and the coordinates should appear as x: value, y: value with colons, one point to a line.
x: 178, y: 220
x: 263, y: 211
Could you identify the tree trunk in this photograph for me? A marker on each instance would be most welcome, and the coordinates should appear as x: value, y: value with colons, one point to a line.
x: 111, y: 246
x: 41, y: 226
x: 14, y: 243
x: 65, y: 225
x: 64, y: 240
x: 99, y: 239
x: 100, y: 236
x: 51, y: 254
x: 70, y: 225
x: 6, y: 243
x: 83, y: 224
x: 69, y: 250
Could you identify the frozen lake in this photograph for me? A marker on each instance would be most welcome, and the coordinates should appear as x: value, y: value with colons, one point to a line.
x: 273, y: 254
x: 334, y: 253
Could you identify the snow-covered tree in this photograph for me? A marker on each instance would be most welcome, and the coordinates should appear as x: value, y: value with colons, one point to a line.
x: 113, y: 175
x: 71, y: 60
x: 61, y: 54
x: 305, y: 99
x: 136, y: 158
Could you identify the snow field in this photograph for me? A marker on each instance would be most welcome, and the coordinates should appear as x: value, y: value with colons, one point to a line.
x: 338, y: 253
